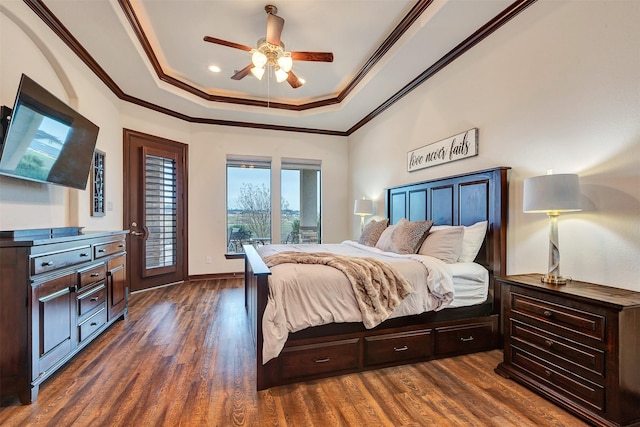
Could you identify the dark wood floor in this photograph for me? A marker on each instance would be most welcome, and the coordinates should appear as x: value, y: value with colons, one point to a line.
x: 184, y: 357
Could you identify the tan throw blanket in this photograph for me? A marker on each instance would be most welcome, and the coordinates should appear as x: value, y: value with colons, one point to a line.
x: 378, y: 287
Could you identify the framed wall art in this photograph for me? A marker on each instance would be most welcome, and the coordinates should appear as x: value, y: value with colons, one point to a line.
x: 98, y: 202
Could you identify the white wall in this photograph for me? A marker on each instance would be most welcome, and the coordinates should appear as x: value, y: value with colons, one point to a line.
x: 28, y: 46
x: 557, y: 88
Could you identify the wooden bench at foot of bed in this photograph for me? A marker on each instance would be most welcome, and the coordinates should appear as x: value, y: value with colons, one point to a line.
x: 337, y: 349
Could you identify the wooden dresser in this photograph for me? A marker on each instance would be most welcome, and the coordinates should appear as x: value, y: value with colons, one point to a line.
x: 59, y: 289
x: 576, y: 344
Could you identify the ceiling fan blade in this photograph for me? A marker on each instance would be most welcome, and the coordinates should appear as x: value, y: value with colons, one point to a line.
x: 239, y: 75
x: 312, y: 56
x: 226, y: 43
x: 274, y: 28
x: 293, y: 80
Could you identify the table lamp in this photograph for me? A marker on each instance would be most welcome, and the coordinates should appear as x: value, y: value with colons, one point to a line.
x: 552, y: 194
x: 363, y: 207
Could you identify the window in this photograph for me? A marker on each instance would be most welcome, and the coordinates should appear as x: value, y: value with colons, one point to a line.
x: 160, y: 214
x: 300, y: 201
x: 248, y: 202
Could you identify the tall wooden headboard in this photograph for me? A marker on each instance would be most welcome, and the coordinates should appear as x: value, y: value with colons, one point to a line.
x: 460, y: 200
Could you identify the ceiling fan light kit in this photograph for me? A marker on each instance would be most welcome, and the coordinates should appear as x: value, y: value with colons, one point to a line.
x: 270, y: 52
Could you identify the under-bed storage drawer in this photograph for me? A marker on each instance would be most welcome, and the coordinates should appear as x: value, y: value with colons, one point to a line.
x: 393, y: 348
x: 313, y: 359
x: 465, y: 337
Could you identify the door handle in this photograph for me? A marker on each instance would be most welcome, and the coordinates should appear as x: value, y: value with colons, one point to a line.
x: 136, y: 233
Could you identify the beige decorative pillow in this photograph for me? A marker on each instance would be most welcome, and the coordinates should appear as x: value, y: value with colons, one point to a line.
x: 408, y: 236
x: 372, y: 231
x: 444, y: 244
x: 384, y: 241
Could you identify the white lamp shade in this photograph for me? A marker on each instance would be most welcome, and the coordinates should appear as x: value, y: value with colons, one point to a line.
x: 258, y: 72
x: 281, y: 75
x: 551, y: 193
x: 285, y: 62
x: 363, y: 207
x: 258, y: 59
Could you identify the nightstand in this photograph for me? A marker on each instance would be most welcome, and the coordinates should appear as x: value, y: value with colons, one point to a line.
x: 577, y: 344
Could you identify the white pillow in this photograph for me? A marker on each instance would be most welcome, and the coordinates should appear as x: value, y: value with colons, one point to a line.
x: 444, y: 244
x: 472, y: 241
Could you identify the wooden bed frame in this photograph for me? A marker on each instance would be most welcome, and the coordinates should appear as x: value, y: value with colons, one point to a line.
x: 341, y: 348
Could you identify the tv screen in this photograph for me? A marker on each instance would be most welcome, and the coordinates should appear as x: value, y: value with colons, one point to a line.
x: 46, y: 140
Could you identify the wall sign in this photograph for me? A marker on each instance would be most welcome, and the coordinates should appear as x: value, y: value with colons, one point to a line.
x: 455, y: 147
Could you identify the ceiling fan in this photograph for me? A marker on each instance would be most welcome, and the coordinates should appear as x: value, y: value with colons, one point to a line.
x: 271, y: 52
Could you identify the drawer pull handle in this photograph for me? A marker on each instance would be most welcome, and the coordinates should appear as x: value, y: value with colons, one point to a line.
x: 93, y: 324
x: 47, y: 263
x: 121, y: 246
x: 547, y: 373
x: 326, y: 359
x: 548, y: 343
x: 547, y: 313
x: 94, y: 299
x: 403, y: 348
x: 84, y: 254
x: 467, y: 339
x: 101, y: 250
x: 95, y: 274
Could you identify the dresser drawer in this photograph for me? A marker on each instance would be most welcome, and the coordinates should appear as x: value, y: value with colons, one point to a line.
x: 393, y: 348
x: 92, y: 275
x: 466, y: 338
x: 313, y: 359
x: 570, y: 355
x: 90, y: 300
x: 558, y: 316
x: 564, y: 382
x: 107, y: 249
x: 55, y: 261
x: 92, y: 324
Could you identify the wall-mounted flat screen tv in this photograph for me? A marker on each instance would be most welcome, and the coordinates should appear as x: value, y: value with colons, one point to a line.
x: 46, y: 140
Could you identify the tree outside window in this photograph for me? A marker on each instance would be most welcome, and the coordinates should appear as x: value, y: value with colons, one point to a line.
x: 248, y: 203
x: 249, y: 213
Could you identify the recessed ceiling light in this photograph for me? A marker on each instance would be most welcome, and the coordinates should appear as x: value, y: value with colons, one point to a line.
x: 214, y: 68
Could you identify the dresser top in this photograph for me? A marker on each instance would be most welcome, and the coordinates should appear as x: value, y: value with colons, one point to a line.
x: 606, y: 295
x: 38, y: 239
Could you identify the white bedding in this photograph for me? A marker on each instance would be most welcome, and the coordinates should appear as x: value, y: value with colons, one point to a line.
x: 470, y: 284
x: 310, y: 295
